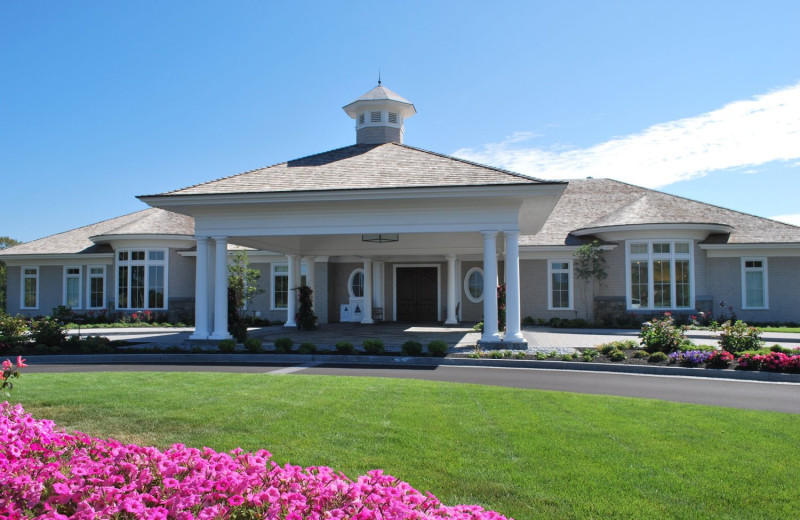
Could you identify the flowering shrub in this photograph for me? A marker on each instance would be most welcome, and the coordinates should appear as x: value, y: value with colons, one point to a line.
x: 780, y: 362
x: 690, y: 358
x: 12, y: 325
x: 48, y: 473
x: 10, y: 370
x: 750, y: 361
x: 719, y: 359
x: 661, y: 335
x: 738, y: 337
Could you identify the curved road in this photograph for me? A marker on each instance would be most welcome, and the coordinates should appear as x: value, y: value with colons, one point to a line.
x: 779, y: 397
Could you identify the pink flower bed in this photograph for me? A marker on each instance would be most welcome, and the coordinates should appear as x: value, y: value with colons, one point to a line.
x: 46, y: 472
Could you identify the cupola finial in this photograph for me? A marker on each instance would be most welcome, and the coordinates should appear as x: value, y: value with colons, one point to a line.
x: 379, y: 76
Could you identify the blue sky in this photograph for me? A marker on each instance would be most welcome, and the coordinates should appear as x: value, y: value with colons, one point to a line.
x: 102, y: 101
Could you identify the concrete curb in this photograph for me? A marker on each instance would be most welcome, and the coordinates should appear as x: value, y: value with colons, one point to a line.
x: 295, y: 359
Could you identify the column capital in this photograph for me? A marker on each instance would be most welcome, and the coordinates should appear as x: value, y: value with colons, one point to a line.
x: 220, y: 238
x: 201, y: 239
x: 489, y: 234
x: 511, y: 233
x: 450, y: 256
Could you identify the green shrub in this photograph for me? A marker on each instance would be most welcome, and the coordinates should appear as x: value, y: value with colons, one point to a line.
x: 227, y: 345
x: 496, y: 354
x: 306, y: 347
x: 661, y: 335
x: 12, y: 326
x: 344, y: 347
x: 527, y: 321
x: 48, y: 331
x: 411, y: 348
x: 63, y: 314
x: 687, y: 345
x: 373, y: 347
x: 590, y: 354
x: 283, y: 345
x: 541, y: 356
x: 566, y: 357
x: 520, y: 354
x: 738, y: 337
x: 94, y: 345
x: 253, y: 345
x: 657, y: 357
x: 617, y: 355
x: 783, y: 350
x: 606, y: 348
x: 437, y: 348
x: 640, y: 354
x: 478, y: 327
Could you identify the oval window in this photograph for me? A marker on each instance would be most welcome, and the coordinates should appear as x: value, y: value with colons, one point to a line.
x: 355, y: 285
x: 473, y: 284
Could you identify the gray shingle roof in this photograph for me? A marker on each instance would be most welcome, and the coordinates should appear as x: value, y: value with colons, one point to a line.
x: 151, y: 221
x: 590, y: 203
x: 358, y: 167
x: 380, y: 93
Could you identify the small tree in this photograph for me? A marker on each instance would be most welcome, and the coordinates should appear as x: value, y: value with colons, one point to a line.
x: 590, y: 267
x: 306, y: 319
x: 243, y: 282
x: 4, y: 243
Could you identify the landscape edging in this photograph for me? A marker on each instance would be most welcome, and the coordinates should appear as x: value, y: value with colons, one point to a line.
x: 292, y: 359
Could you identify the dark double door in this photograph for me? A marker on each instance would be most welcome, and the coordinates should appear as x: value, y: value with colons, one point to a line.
x: 417, y: 295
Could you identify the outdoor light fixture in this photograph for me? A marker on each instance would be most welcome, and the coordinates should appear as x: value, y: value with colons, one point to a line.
x: 380, y: 238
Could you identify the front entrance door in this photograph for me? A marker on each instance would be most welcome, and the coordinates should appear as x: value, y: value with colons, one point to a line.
x: 417, y: 297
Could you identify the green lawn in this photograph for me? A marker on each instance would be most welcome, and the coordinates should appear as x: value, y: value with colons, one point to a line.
x: 780, y: 329
x: 527, y: 454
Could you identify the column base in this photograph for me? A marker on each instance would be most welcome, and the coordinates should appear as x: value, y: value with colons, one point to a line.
x: 515, y: 337
x: 199, y: 336
x: 492, y: 337
x: 367, y: 321
x: 451, y: 322
x: 218, y: 337
x: 289, y: 325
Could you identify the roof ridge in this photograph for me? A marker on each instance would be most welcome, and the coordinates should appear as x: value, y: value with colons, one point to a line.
x: 473, y: 163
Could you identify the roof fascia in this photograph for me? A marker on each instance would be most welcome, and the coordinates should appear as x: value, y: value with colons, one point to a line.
x: 433, y: 192
x: 688, y: 226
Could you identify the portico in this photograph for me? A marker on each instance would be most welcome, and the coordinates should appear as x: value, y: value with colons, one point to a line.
x: 441, y: 214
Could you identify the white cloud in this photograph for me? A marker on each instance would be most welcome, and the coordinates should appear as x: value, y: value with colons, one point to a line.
x: 744, y: 133
x: 789, y: 219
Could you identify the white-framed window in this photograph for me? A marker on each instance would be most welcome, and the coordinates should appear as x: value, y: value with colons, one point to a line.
x: 473, y: 284
x: 559, y: 284
x: 29, y: 297
x: 72, y: 287
x: 355, y: 284
x: 141, y: 279
x: 96, y: 287
x: 660, y: 274
x: 279, y: 299
x: 754, y: 283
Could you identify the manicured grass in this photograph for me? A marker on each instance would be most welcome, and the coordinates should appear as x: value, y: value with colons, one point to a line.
x: 781, y: 329
x: 527, y: 454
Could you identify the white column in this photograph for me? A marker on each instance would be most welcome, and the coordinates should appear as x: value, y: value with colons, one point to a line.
x: 291, y: 298
x: 490, y: 332
x: 220, y: 289
x: 309, y: 261
x: 366, y: 316
x: 513, y: 317
x: 377, y: 284
x: 201, y: 310
x: 452, y: 319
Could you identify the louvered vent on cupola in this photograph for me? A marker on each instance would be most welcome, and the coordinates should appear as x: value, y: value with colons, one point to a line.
x: 361, y: 119
x: 375, y: 117
x: 393, y: 117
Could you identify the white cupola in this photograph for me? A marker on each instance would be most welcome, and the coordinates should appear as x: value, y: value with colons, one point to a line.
x: 379, y: 116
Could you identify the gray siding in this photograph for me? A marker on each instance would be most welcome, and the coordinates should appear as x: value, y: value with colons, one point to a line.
x: 13, y: 289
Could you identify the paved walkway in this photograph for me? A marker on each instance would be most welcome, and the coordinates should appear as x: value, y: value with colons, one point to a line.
x: 395, y: 334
